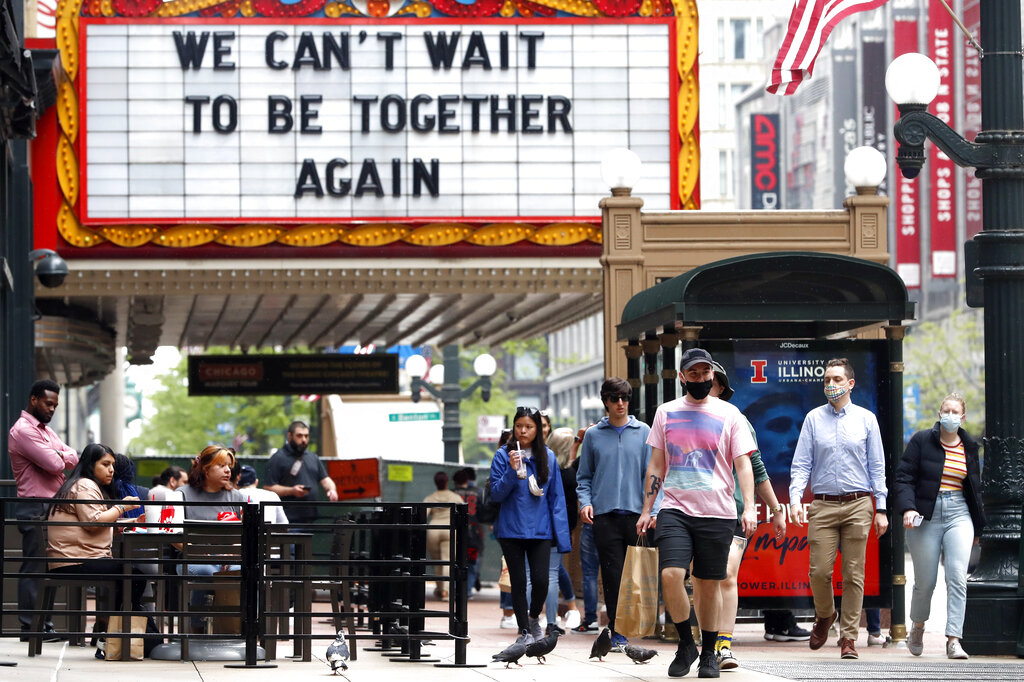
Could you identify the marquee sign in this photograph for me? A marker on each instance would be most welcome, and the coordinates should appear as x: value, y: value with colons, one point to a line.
x: 224, y: 122
x: 187, y: 123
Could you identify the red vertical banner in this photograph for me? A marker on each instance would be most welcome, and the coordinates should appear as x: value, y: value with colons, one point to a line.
x: 942, y: 171
x: 906, y: 192
x: 972, y: 117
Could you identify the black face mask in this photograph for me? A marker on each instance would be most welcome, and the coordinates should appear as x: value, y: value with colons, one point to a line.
x: 699, y: 390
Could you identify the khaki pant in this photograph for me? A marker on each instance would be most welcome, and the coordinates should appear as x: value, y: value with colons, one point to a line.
x: 438, y: 546
x: 831, y: 524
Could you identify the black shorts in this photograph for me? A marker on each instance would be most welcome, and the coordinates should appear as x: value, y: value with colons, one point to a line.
x: 705, y: 541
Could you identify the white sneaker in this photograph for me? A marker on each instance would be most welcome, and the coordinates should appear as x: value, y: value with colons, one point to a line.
x: 954, y: 650
x: 508, y: 623
x: 572, y: 619
x: 726, y: 661
x: 876, y: 640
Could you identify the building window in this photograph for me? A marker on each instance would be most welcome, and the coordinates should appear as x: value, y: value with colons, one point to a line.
x: 757, y: 48
x: 724, y: 173
x: 723, y: 105
x: 721, y: 40
x: 740, y: 39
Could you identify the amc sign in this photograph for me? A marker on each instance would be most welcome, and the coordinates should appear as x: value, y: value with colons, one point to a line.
x: 764, y: 176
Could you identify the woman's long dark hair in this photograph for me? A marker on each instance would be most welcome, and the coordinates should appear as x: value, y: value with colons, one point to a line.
x: 85, y: 468
x: 537, y: 447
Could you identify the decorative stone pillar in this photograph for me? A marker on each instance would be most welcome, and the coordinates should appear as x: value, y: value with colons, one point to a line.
x: 622, y: 261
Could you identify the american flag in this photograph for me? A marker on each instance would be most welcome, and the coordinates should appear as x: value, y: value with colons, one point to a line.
x: 809, y: 27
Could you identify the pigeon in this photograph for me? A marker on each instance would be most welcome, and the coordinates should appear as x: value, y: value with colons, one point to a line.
x: 511, y: 654
x: 602, y: 645
x: 638, y: 654
x: 542, y: 647
x: 337, y: 653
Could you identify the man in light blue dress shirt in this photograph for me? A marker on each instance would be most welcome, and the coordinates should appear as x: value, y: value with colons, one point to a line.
x: 840, y: 454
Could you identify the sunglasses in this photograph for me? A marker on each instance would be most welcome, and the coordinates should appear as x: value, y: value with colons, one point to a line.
x: 527, y: 412
x: 617, y: 397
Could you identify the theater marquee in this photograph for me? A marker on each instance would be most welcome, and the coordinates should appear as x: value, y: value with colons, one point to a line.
x: 260, y: 122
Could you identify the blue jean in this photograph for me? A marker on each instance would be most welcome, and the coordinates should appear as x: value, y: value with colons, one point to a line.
x: 590, y: 563
x: 951, y: 530
x: 198, y: 597
x: 558, y: 578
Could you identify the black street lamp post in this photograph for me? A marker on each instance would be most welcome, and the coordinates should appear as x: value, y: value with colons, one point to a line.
x: 451, y: 393
x: 994, y: 621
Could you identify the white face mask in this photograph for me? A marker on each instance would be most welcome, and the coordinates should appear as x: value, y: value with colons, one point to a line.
x: 950, y: 422
x: 534, y: 488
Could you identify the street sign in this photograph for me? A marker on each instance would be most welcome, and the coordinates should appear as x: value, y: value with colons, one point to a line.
x: 355, y: 478
x: 489, y: 427
x: 415, y: 417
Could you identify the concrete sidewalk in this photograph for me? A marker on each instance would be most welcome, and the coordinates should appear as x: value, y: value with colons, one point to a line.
x: 760, y: 660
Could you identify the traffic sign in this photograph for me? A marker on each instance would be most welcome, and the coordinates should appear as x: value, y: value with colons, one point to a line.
x: 355, y: 478
x: 414, y: 417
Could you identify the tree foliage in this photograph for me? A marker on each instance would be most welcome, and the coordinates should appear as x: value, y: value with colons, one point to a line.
x: 183, y: 424
x: 947, y: 356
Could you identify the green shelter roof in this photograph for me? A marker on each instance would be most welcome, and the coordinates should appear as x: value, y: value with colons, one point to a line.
x: 779, y: 295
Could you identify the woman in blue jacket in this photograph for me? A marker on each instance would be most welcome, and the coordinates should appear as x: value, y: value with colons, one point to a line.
x: 532, y: 515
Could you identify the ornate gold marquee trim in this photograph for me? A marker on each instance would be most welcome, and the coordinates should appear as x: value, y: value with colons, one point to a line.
x: 373, y: 234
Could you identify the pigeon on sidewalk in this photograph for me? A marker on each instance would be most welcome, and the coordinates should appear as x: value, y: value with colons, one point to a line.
x: 542, y: 647
x: 602, y: 645
x: 638, y: 654
x: 337, y: 654
x: 511, y: 654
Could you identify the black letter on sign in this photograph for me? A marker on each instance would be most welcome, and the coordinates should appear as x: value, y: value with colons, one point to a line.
x: 442, y: 53
x: 268, y: 50
x: 531, y: 38
x: 558, y: 110
x: 420, y: 177
x: 220, y: 50
x: 332, y: 47
x: 197, y: 102
x: 364, y: 110
x: 369, y: 179
x: 190, y: 53
x: 474, y: 110
x: 342, y: 187
x: 476, y: 52
x: 307, y: 114
x: 309, y: 180
x: 279, y: 114
x: 508, y: 114
x: 396, y: 177
x: 306, y: 54
x: 445, y: 113
x: 529, y: 114
x: 389, y: 38
x: 232, y: 106
x: 392, y: 103
x: 425, y: 124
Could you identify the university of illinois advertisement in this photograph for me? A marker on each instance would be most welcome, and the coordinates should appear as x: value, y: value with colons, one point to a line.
x: 777, y: 383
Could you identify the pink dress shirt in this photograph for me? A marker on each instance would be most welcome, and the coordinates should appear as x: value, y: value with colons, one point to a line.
x: 38, y: 457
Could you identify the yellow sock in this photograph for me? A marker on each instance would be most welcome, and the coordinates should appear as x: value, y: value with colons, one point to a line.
x: 724, y: 641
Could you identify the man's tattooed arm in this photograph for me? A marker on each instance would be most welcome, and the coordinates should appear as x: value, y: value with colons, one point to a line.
x: 655, y: 486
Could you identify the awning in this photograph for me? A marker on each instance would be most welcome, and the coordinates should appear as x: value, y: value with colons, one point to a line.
x: 789, y: 294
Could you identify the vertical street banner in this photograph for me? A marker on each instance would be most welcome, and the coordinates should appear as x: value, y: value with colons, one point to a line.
x: 764, y: 159
x: 777, y: 383
x: 941, y: 169
x: 906, y: 199
x: 844, y: 107
x: 972, y: 117
x: 874, y: 119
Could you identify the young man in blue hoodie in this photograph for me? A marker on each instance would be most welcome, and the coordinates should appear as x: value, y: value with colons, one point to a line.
x: 613, y: 460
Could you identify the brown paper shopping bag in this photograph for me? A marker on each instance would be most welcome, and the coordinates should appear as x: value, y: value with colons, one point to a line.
x: 116, y: 646
x: 636, y: 611
x: 504, y: 582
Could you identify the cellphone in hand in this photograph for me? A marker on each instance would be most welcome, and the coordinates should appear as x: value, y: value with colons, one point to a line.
x: 917, y: 520
x: 304, y: 487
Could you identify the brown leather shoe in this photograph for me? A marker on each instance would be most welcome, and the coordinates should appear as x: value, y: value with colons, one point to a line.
x: 819, y: 633
x: 846, y: 648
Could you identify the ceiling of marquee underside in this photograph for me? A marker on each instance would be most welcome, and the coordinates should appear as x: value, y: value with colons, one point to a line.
x: 252, y: 305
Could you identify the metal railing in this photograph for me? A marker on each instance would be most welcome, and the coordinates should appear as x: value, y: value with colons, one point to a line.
x: 370, y: 557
